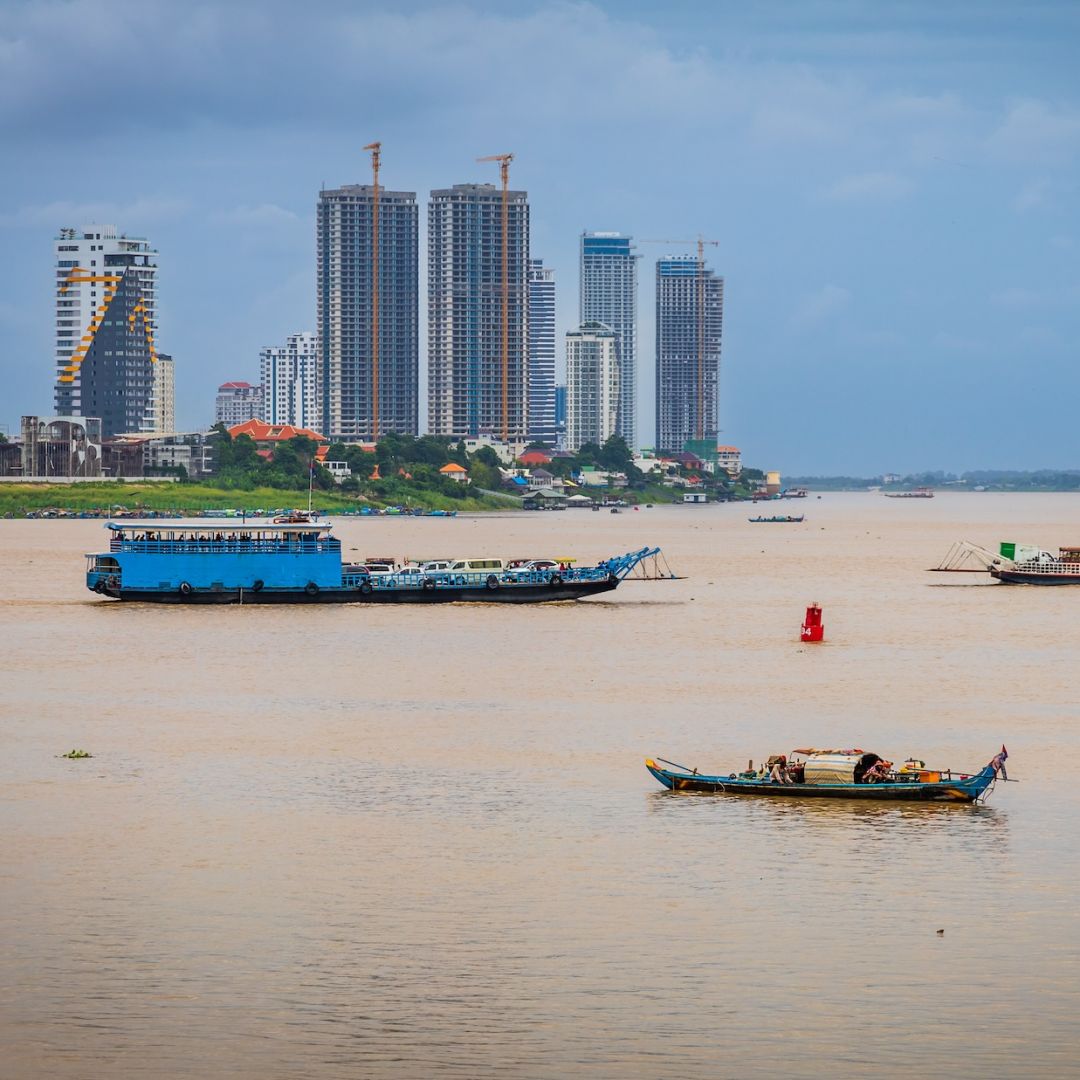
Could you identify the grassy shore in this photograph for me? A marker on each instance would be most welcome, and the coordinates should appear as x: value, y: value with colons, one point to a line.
x: 18, y: 499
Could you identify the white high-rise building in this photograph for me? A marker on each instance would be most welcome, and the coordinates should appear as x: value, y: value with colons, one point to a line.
x: 593, y: 385
x: 290, y: 382
x: 106, y: 298
x: 541, y: 368
x: 237, y: 402
x: 164, y: 398
x: 609, y: 296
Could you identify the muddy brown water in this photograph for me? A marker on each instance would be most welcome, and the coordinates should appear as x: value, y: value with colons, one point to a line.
x: 413, y: 842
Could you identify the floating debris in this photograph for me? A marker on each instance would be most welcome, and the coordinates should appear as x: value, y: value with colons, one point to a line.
x: 77, y: 755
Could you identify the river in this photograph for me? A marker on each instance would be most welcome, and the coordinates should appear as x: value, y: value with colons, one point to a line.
x: 420, y: 842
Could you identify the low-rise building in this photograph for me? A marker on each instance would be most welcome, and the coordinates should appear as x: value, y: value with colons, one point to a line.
x: 456, y: 472
x: 238, y: 402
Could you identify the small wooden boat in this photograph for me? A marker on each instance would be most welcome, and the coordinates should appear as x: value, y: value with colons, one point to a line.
x: 836, y: 774
x: 778, y: 519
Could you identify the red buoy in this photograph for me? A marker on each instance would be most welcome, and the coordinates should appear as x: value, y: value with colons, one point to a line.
x: 812, y: 630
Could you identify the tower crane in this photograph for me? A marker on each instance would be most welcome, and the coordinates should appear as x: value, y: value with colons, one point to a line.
x: 699, y: 420
x: 504, y: 173
x: 376, y: 154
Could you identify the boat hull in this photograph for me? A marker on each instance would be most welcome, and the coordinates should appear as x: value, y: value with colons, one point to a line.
x: 444, y: 594
x: 965, y: 790
x: 1025, y: 577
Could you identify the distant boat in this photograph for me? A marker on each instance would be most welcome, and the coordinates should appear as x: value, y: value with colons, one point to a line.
x: 779, y: 519
x: 918, y: 493
x: 834, y: 774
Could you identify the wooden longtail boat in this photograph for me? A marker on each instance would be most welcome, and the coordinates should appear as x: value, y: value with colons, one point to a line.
x: 852, y: 774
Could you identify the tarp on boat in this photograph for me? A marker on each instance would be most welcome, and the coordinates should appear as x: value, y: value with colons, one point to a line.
x: 838, y: 768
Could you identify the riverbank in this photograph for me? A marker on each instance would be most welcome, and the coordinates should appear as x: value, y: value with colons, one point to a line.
x: 16, y: 500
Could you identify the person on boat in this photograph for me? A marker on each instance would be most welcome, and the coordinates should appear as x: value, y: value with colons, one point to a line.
x: 998, y: 763
x: 874, y: 774
x: 778, y: 772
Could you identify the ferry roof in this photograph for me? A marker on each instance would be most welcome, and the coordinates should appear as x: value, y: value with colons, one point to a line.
x: 216, y: 525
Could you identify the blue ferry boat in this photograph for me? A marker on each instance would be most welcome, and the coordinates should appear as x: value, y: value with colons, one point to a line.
x: 290, y: 562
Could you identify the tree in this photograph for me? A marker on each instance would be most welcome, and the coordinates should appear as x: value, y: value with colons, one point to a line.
x: 487, y: 456
x: 615, y: 454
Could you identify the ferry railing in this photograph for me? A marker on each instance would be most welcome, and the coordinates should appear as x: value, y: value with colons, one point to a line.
x: 225, y: 546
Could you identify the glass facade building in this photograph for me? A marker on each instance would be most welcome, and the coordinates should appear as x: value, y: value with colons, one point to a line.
x: 106, y: 323
x: 689, y: 323
x: 609, y: 296
x: 346, y: 307
x: 465, y: 374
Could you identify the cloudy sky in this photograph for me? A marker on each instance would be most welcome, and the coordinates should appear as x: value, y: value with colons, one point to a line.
x: 894, y: 188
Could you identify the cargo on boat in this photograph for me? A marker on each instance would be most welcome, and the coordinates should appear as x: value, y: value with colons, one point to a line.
x: 836, y: 774
x: 295, y: 560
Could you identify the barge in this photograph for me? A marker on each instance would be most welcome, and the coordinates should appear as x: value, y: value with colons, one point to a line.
x: 1014, y: 564
x: 300, y: 562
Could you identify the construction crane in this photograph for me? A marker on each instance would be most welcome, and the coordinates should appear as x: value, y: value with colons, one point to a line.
x: 504, y: 172
x: 376, y: 153
x: 699, y: 424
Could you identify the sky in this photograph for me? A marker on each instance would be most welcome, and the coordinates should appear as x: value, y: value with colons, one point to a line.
x: 894, y: 189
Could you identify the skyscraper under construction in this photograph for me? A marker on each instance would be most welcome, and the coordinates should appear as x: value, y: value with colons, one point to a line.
x: 346, y: 288
x: 689, y: 322
x: 467, y: 383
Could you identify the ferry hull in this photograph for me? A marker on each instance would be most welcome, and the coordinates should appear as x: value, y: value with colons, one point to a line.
x: 505, y: 594
x: 1024, y: 577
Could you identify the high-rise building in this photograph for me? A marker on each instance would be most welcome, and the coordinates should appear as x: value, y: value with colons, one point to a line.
x: 467, y: 386
x: 164, y: 394
x: 290, y: 382
x: 593, y: 385
x: 541, y: 368
x: 106, y: 296
x: 346, y: 289
x: 609, y: 296
x: 238, y: 402
x: 689, y: 323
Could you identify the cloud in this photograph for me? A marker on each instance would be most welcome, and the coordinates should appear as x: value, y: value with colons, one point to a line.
x: 1036, y: 131
x: 262, y: 216
x: 1033, y: 195
x: 869, y: 187
x: 54, y: 215
x: 821, y: 305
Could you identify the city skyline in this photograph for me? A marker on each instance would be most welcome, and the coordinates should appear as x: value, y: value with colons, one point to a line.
x: 891, y: 191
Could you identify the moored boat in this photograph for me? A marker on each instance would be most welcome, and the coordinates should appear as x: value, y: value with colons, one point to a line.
x: 1014, y: 564
x: 295, y: 561
x: 777, y: 519
x: 917, y: 493
x: 836, y: 774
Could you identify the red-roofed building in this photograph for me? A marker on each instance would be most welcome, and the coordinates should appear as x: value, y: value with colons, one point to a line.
x: 266, y: 435
x: 535, y: 457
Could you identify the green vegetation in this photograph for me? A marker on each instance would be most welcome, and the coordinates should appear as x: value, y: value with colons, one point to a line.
x: 983, y: 479
x: 76, y: 755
